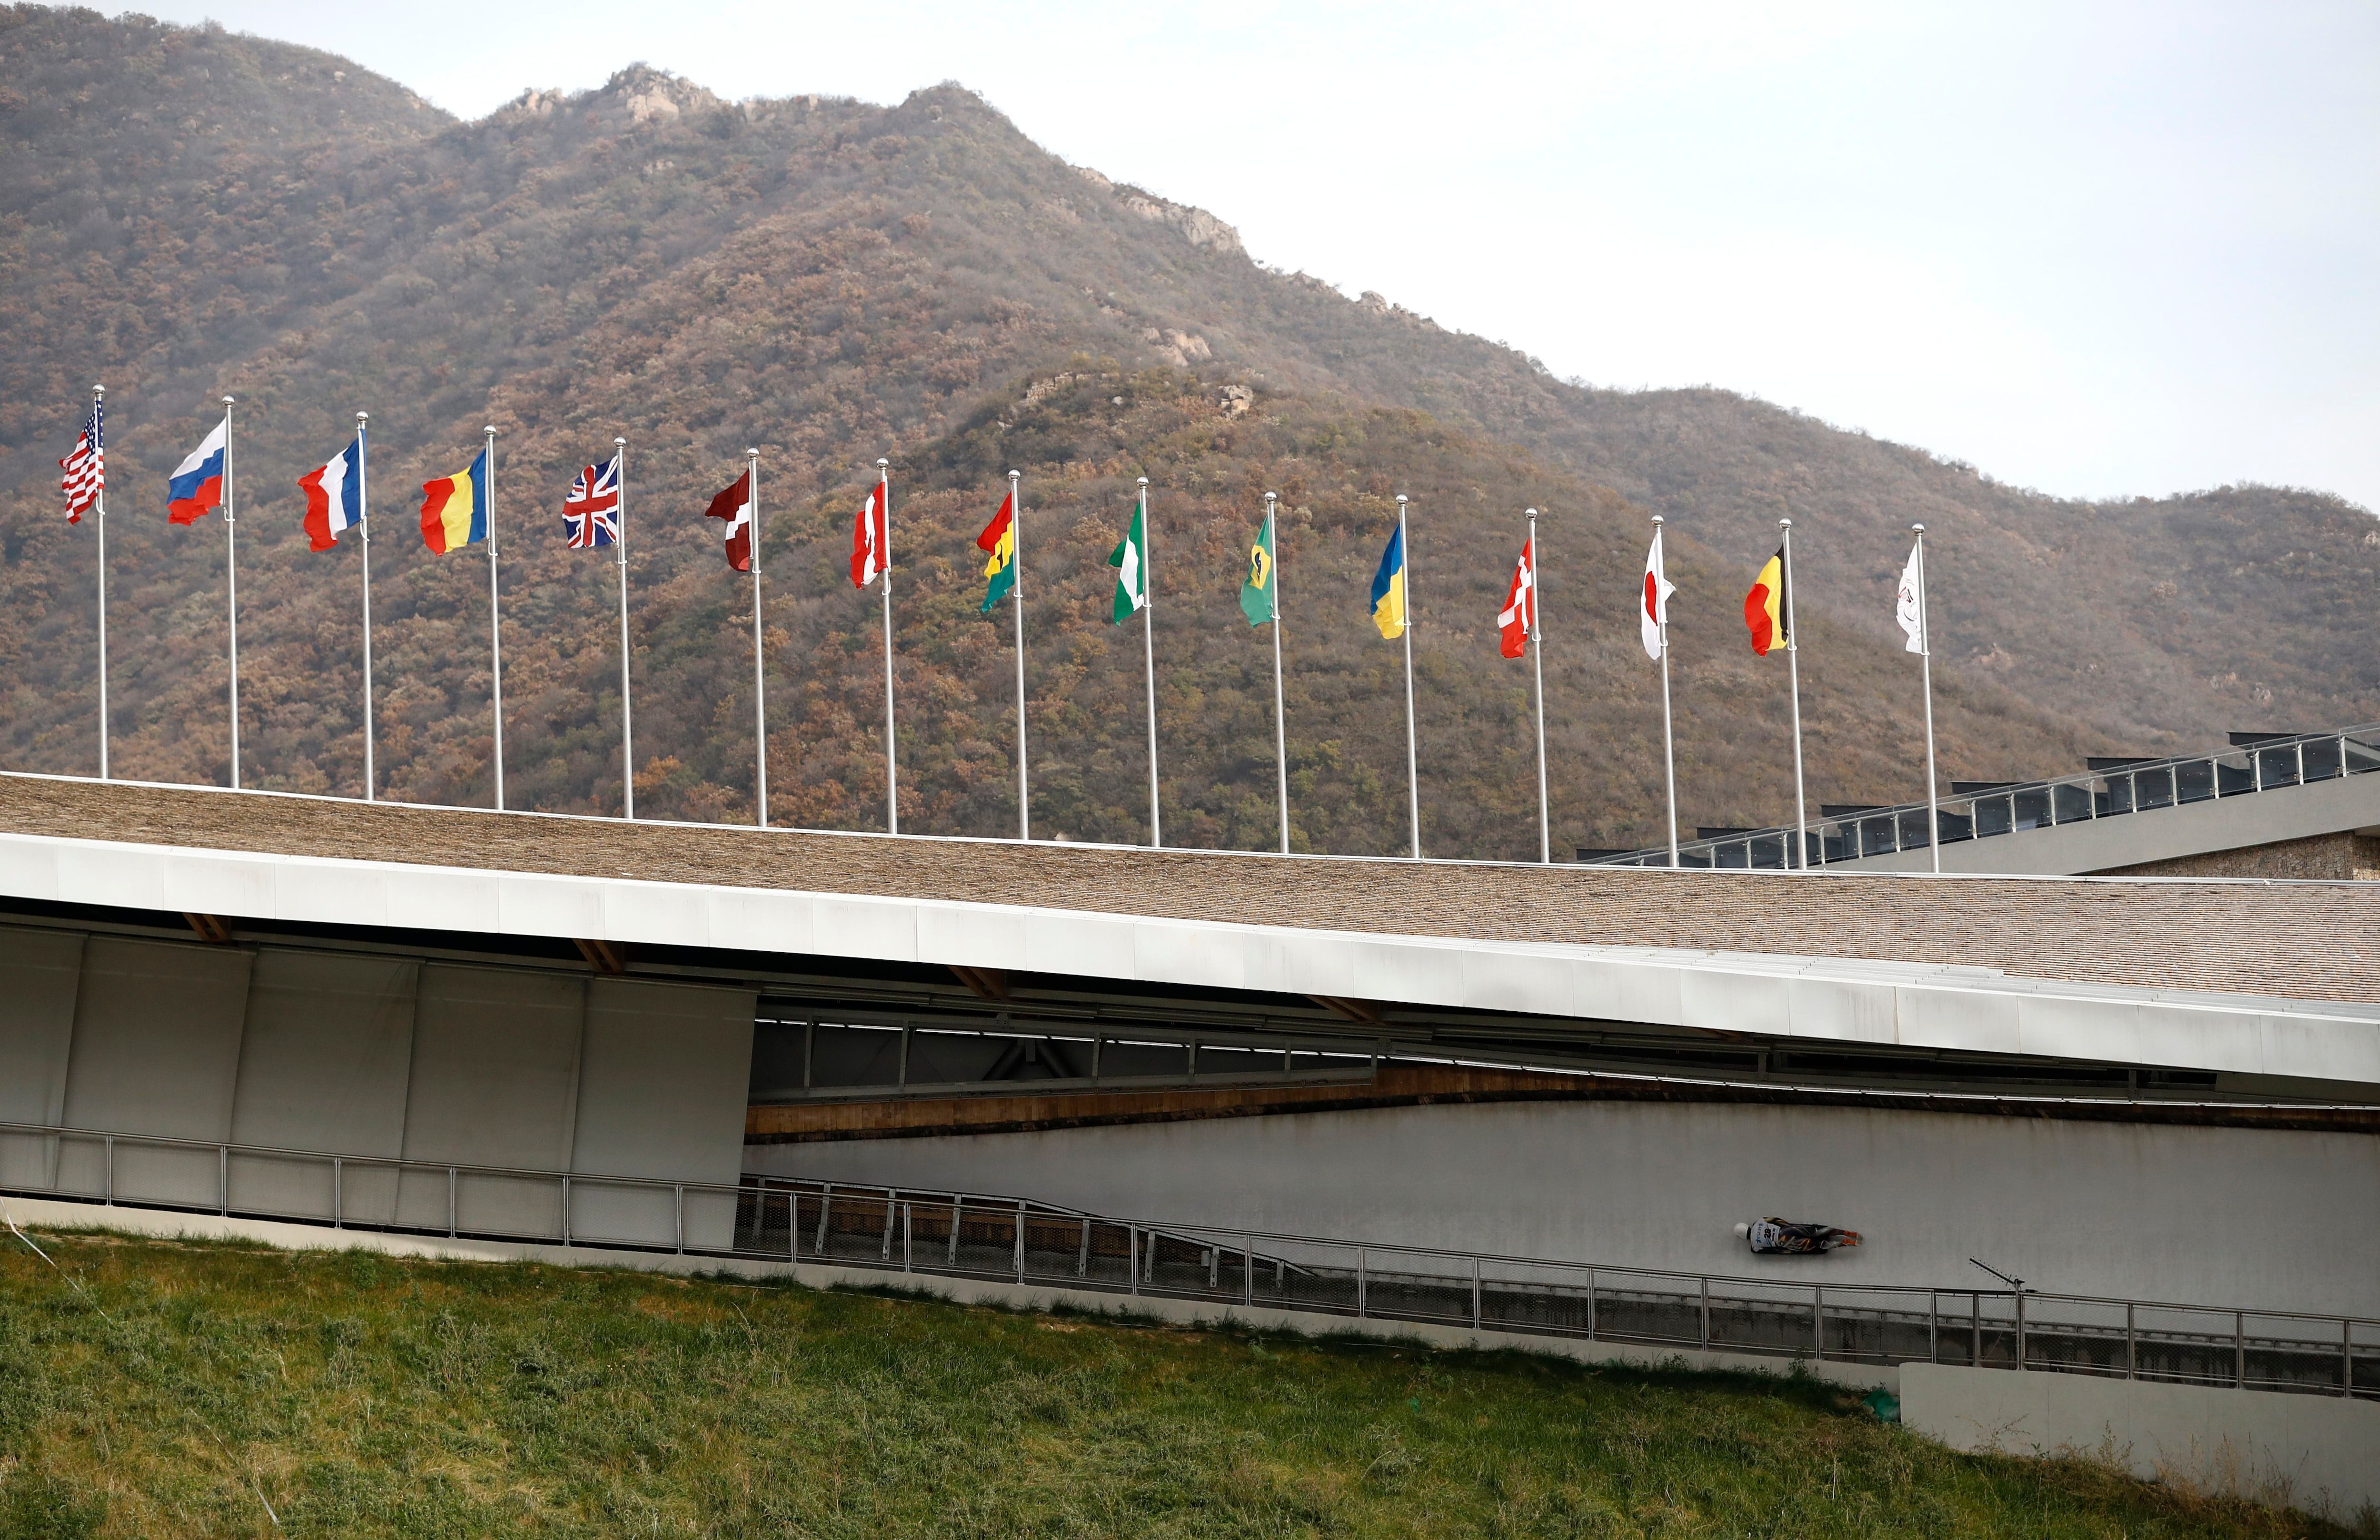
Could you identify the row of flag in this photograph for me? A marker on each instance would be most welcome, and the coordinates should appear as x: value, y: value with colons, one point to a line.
x: 458, y: 512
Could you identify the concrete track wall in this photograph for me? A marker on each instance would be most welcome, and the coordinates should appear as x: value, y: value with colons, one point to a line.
x: 368, y: 1056
x: 2251, y: 1217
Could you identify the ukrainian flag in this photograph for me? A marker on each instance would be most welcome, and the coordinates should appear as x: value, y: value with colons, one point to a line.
x: 1389, y: 588
x: 454, y: 508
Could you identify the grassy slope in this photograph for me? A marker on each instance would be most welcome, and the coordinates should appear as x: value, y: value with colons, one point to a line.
x: 364, y: 1397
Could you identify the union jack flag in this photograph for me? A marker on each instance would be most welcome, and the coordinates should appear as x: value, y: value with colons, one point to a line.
x: 591, y: 513
x: 86, y: 469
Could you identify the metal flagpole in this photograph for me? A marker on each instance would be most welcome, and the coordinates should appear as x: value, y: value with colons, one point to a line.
x: 1149, y: 656
x: 1016, y: 602
x: 1413, y: 763
x: 495, y: 621
x: 1280, y: 720
x: 627, y: 727
x: 1537, y: 655
x: 363, y: 520
x: 99, y: 447
x: 231, y: 582
x: 760, y: 657
x: 1925, y: 655
x: 1793, y: 673
x: 892, y: 774
x: 1669, y: 737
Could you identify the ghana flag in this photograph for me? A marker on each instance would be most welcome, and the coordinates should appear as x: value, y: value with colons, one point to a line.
x: 999, y: 541
x: 454, y: 508
x: 1767, y: 607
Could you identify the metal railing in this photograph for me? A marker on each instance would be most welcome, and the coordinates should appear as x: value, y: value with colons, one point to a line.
x: 1982, y: 812
x: 899, y: 1232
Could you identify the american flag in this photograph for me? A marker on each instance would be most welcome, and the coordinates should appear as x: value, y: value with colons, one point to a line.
x: 591, y: 511
x: 86, y: 469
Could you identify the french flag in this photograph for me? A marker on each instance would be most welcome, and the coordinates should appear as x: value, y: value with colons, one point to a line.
x: 198, y: 485
x: 334, y: 496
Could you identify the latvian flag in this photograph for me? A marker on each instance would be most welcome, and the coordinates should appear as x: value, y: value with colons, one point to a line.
x: 86, y: 467
x: 334, y: 496
x: 591, y: 514
x: 735, y: 506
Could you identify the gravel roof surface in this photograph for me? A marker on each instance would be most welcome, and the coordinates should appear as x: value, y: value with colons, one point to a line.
x: 2300, y: 940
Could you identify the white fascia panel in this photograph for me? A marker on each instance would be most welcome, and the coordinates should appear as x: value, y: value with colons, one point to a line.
x: 1525, y: 983
x: 1629, y: 988
x: 1839, y: 1011
x: 2206, y: 1039
x: 528, y: 905
x: 1969, y: 1020
x: 126, y: 876
x: 2320, y: 1050
x: 883, y: 930
x: 762, y: 921
x: 442, y: 898
x: 1395, y: 968
x: 214, y: 887
x: 662, y: 914
x: 1100, y: 946
x: 969, y: 936
x: 1736, y: 1002
x: 2062, y: 1028
x: 345, y: 893
x: 1284, y: 962
x: 1181, y: 951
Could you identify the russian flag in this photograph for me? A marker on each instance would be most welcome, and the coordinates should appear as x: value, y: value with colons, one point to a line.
x: 334, y: 496
x: 197, y: 486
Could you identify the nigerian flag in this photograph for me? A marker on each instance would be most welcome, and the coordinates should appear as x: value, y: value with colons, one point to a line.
x: 1131, y: 561
x: 1260, y: 596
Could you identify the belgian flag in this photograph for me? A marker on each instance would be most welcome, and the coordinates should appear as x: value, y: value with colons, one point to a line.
x: 1766, y: 606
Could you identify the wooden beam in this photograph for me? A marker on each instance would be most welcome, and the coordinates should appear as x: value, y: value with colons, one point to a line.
x: 1367, y: 1011
x: 602, y: 956
x: 209, y: 928
x: 983, y: 983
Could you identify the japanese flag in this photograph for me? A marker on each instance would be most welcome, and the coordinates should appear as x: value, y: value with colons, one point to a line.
x: 1653, y: 606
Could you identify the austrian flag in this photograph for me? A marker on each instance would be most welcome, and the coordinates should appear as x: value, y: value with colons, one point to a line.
x: 871, y: 546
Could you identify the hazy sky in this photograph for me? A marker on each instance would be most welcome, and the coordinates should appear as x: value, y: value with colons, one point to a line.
x: 2095, y: 249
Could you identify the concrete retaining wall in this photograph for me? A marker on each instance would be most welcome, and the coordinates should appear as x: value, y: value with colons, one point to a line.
x: 2314, y: 1452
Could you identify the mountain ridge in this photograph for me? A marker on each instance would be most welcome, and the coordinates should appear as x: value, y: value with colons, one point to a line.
x: 830, y: 282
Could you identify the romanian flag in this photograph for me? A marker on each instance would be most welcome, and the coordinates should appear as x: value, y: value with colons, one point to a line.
x: 1767, y: 607
x: 999, y: 539
x: 454, y: 508
x: 1389, y: 588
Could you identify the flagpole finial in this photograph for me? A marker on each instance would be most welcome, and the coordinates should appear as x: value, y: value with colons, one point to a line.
x: 1402, y: 499
x: 1533, y: 512
x: 1144, y: 480
x: 619, y: 443
x: 1784, y: 524
x: 751, y: 453
x: 1918, y: 528
x: 227, y: 401
x: 489, y: 429
x: 1014, y: 474
x: 363, y: 416
x: 1658, y: 519
x: 881, y: 461
x: 98, y: 391
x: 1273, y: 497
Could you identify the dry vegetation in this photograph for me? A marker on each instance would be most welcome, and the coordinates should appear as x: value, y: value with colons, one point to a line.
x: 361, y: 1396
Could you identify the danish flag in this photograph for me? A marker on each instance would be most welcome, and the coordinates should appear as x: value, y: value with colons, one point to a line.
x: 1519, y: 616
x: 591, y: 513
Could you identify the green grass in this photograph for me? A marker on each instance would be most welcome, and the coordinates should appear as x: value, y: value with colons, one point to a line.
x: 366, y: 1396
